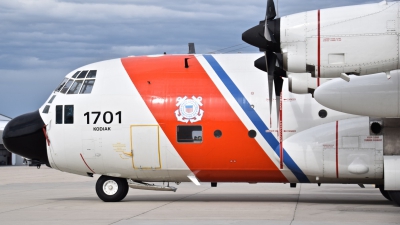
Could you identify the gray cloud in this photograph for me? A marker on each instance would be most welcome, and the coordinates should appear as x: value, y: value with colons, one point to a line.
x: 41, y: 41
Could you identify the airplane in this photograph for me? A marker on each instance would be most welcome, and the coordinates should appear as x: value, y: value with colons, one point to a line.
x: 285, y: 115
x: 5, y: 156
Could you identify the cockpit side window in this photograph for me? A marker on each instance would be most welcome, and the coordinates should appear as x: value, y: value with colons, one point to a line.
x: 59, y: 110
x: 68, y: 114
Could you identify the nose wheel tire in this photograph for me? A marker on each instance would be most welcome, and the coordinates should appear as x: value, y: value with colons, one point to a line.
x: 395, y: 196
x: 384, y: 193
x: 111, y: 189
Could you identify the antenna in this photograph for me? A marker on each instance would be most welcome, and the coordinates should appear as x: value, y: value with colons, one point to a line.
x: 191, y: 48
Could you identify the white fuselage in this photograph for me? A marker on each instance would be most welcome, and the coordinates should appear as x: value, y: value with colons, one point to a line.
x: 142, y: 141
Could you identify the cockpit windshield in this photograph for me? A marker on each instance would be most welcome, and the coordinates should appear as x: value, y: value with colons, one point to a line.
x: 62, y: 84
x: 82, y: 74
x: 76, y: 86
x: 66, y: 86
x: 87, y: 87
x: 81, y: 82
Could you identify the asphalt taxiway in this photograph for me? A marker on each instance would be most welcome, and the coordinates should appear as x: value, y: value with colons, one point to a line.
x: 47, y: 196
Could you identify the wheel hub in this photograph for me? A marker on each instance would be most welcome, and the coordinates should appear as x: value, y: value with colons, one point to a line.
x: 110, y: 187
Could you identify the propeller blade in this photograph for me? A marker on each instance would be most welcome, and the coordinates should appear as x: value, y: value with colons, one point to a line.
x: 279, y: 71
x: 271, y: 13
x: 279, y: 60
x: 270, y: 85
x: 271, y: 63
x: 275, y: 74
x: 267, y: 34
x: 278, y: 83
x: 270, y: 58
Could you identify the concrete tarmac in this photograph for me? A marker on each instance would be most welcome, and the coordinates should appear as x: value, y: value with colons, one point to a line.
x: 47, y: 196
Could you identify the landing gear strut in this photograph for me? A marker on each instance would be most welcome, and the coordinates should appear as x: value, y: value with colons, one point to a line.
x: 111, y: 189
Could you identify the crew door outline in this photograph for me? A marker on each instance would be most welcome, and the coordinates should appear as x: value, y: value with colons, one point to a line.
x: 157, y: 127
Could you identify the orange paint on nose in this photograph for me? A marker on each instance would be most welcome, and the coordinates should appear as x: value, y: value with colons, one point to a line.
x: 233, y: 157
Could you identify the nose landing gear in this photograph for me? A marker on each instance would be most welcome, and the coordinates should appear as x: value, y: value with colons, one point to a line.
x: 111, y: 189
x: 395, y: 196
x: 384, y: 193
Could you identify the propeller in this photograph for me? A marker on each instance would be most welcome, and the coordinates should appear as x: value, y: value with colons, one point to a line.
x: 266, y: 36
x: 269, y: 15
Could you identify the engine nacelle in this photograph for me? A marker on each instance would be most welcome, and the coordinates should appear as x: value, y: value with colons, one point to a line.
x: 294, y: 61
x: 303, y: 83
x: 342, y: 149
x: 375, y: 95
x: 361, y: 39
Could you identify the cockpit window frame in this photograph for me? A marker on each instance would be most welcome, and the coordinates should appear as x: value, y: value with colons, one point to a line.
x: 77, y: 90
x: 83, y: 85
x: 83, y: 73
x: 76, y: 74
x: 66, y: 88
x: 92, y: 73
x: 61, y: 85
x: 89, y: 75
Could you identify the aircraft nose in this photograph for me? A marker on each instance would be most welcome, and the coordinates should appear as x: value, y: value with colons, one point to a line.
x: 24, y: 136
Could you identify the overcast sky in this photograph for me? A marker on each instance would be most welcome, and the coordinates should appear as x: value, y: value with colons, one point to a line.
x: 42, y: 40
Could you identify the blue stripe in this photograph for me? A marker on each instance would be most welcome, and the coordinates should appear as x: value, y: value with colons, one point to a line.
x: 255, y: 118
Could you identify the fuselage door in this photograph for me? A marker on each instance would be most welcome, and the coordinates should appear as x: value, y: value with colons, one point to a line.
x: 145, y: 146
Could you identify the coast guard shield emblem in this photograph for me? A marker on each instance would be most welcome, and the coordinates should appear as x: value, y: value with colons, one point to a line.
x: 189, y: 109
